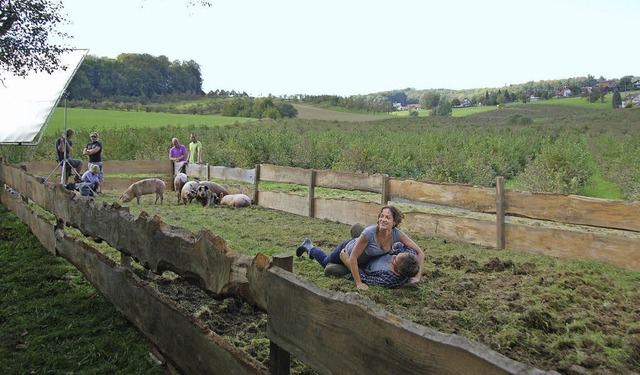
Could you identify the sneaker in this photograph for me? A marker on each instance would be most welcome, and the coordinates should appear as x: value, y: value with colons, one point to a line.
x: 304, y: 247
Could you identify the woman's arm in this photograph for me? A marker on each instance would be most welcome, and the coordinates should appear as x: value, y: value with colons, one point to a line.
x: 361, y: 244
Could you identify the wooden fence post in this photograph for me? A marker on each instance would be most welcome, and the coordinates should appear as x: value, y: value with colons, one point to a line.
x: 385, y: 190
x: 280, y: 359
x: 208, y: 172
x: 312, y: 193
x: 256, y: 182
x: 500, y: 202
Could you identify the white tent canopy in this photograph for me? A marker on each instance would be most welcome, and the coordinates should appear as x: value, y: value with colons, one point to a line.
x: 27, y: 103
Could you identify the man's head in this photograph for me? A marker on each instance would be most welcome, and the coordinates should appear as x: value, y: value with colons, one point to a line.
x: 406, y: 264
x: 175, y: 142
x: 94, y: 136
x: 194, y: 137
x: 69, y: 133
x: 95, y: 168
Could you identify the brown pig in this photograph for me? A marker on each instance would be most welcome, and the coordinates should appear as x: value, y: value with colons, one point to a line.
x: 143, y: 187
x: 217, y: 189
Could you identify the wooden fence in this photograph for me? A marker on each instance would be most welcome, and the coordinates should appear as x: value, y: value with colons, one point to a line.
x: 586, y: 242
x: 364, y: 330
x: 579, y: 234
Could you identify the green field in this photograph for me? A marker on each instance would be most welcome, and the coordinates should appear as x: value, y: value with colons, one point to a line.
x: 87, y: 120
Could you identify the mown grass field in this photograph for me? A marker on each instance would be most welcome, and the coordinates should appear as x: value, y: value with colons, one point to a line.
x: 87, y: 120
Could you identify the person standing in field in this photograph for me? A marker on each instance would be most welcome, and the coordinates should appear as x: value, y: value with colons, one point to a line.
x: 64, y: 146
x: 178, y: 154
x: 195, y: 150
x: 94, y: 151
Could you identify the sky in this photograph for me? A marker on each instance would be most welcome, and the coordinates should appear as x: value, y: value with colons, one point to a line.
x: 353, y: 47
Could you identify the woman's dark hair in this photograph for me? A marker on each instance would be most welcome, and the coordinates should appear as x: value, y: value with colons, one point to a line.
x: 395, y: 212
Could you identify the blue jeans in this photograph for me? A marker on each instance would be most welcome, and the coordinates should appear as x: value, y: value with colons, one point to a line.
x: 321, y: 257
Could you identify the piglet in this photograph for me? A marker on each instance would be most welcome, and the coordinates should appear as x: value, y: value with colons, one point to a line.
x: 236, y: 200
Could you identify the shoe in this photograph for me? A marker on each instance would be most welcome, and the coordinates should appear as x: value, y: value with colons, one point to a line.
x: 305, y: 247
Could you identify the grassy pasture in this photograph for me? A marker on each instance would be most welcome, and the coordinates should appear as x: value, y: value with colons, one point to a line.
x: 87, y: 120
x: 550, y: 313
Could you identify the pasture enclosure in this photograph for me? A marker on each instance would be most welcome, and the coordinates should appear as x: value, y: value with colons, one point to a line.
x: 203, y: 257
x: 587, y: 228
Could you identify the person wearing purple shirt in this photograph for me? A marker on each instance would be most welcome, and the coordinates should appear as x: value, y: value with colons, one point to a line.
x: 178, y: 153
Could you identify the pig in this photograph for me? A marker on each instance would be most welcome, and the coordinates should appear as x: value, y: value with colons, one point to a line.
x: 143, y: 187
x: 189, y: 191
x: 236, y: 200
x: 178, y: 183
x: 216, y: 189
x: 205, y: 196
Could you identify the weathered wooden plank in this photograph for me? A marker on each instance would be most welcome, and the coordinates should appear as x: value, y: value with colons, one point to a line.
x: 500, y: 218
x: 329, y: 332
x: 481, y: 232
x: 470, y: 197
x: 189, y: 342
x: 348, y: 213
x: 573, y: 209
x: 616, y: 250
x: 287, y: 175
x: 41, y: 228
x: 295, y: 204
x: 198, y: 170
x: 349, y: 181
x: 232, y: 174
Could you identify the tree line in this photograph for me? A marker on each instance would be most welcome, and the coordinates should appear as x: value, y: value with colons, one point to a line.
x: 134, y: 75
